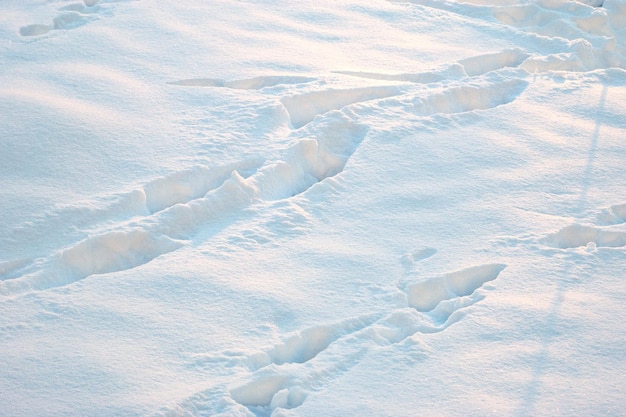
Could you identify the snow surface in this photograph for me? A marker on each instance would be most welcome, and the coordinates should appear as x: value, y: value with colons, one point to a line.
x: 329, y: 208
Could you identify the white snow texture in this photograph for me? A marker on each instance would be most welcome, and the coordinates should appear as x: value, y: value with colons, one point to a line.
x: 328, y: 208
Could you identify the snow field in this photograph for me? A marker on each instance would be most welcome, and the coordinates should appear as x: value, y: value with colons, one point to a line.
x: 346, y: 208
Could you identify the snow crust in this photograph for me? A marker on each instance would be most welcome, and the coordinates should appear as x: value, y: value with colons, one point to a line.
x: 330, y: 208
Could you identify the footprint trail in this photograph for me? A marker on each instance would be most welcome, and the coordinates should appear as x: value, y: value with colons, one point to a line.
x: 303, y: 108
x: 182, y: 204
x: 469, y: 67
x: 168, y: 211
x: 72, y: 16
x: 282, y: 377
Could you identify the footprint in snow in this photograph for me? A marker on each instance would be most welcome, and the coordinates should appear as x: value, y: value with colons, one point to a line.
x: 284, y: 375
x: 441, y: 296
x: 613, y: 215
x: 177, y: 206
x: 71, y: 16
x: 469, y: 67
x: 601, y: 235
x: 591, y: 237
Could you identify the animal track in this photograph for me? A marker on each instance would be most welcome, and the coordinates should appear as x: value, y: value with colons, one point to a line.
x: 553, y: 20
x: 255, y: 83
x: 410, y: 259
x: 100, y: 254
x: 10, y: 269
x: 260, y: 391
x: 302, y: 108
x: 90, y: 218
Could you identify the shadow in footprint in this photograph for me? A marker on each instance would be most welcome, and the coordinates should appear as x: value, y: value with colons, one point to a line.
x: 468, y: 98
x: 64, y: 21
x: 427, y: 295
x: 305, y: 345
x: 35, y: 30
x: 576, y: 235
x: 613, y: 215
x: 473, y: 66
x: 303, y: 108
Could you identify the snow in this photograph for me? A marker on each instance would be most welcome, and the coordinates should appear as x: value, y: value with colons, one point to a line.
x: 312, y: 209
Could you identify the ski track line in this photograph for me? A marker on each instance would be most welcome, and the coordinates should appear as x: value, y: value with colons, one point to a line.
x: 283, y: 376
x: 138, y: 241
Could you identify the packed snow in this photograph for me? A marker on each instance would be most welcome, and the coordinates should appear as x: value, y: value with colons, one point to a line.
x: 329, y: 208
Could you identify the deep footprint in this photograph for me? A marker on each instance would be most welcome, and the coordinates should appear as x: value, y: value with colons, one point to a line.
x: 424, y: 296
x: 481, y: 64
x: 576, y: 235
x: 472, y: 67
x: 303, y: 108
x: 613, y: 215
x: 175, y: 218
x: 468, y: 98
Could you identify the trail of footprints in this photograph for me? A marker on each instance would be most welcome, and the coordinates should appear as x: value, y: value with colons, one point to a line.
x: 178, y: 206
x: 569, y: 27
x: 283, y: 376
x: 169, y: 210
x: 468, y: 95
x: 71, y: 16
x: 165, y: 213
